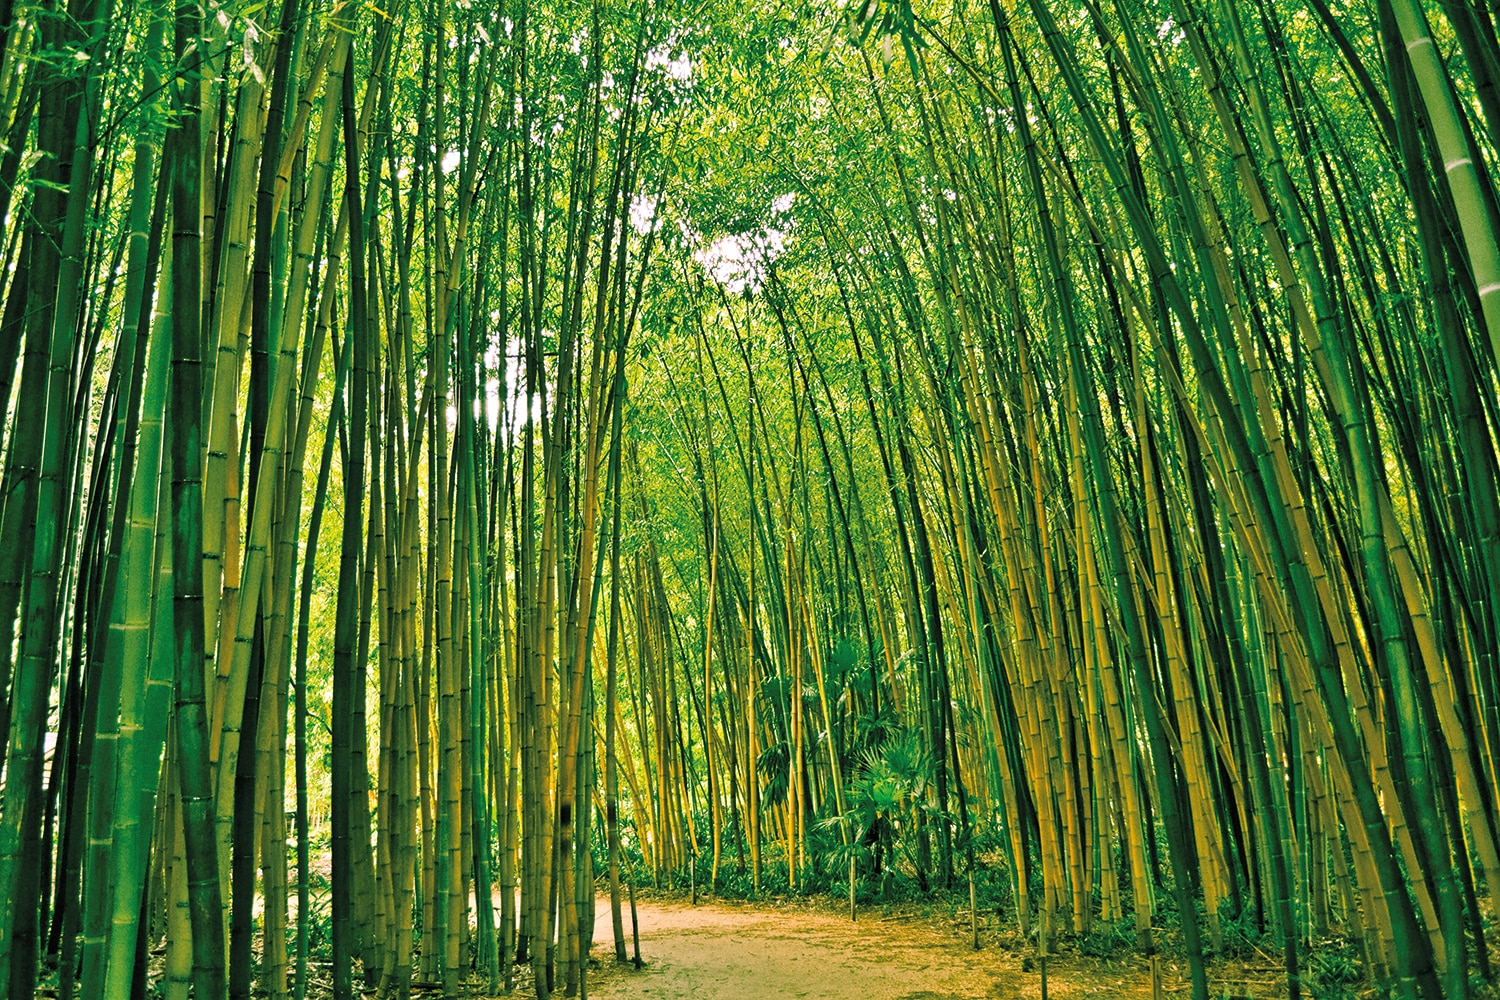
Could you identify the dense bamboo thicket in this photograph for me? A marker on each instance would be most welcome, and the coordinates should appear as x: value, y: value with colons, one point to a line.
x: 460, y: 459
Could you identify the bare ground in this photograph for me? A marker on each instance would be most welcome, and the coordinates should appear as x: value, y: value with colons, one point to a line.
x: 729, y: 951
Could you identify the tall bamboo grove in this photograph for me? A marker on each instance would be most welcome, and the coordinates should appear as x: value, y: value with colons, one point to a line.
x: 460, y: 460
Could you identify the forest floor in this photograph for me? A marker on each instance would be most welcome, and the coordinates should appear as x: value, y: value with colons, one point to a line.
x: 741, y: 951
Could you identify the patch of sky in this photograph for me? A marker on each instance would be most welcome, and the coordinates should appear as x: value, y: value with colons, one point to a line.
x: 740, y: 262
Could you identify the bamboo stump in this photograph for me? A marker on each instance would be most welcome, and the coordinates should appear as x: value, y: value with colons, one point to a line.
x: 635, y: 927
x: 973, y: 912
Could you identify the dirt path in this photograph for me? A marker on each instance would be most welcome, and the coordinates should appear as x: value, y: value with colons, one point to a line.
x: 723, y: 951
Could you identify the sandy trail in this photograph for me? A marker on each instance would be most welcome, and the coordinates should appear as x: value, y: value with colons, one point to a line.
x: 723, y: 951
